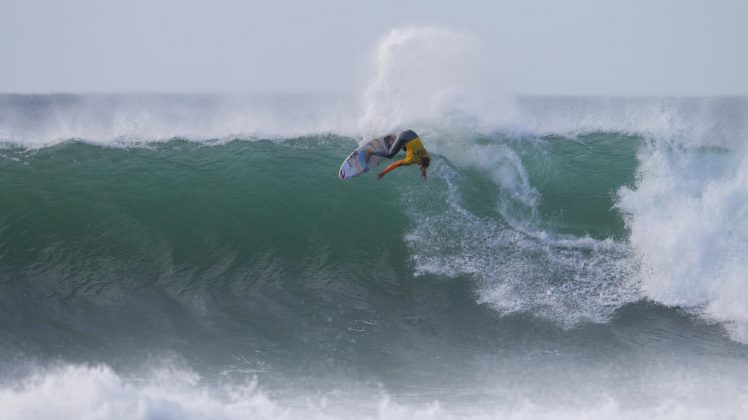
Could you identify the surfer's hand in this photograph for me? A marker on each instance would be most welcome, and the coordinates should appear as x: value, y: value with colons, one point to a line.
x: 381, y: 175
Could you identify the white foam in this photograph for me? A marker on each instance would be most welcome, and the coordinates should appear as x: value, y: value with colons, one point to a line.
x: 97, y: 392
x: 688, y: 217
x: 565, y: 279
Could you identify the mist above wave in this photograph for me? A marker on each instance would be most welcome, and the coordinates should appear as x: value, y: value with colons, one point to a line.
x: 41, y: 120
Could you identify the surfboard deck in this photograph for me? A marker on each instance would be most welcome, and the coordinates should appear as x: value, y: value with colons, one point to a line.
x: 355, y: 164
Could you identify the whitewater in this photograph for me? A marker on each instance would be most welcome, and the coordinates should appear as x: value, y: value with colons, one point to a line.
x: 196, y: 256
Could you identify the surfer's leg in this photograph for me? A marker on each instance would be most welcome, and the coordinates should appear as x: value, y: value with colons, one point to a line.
x: 396, y: 146
x: 389, y: 153
x: 403, y: 137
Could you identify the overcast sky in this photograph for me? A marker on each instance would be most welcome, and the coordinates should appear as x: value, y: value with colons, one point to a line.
x: 544, y: 47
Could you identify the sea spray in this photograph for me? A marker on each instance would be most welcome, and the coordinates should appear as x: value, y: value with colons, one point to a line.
x: 435, y: 80
x: 688, y: 217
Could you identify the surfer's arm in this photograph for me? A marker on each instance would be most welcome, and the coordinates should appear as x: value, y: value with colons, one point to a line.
x: 391, y: 167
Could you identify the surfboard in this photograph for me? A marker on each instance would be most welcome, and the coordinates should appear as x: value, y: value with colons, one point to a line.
x: 355, y: 164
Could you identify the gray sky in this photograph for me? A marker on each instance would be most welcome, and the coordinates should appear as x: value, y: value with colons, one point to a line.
x: 543, y: 47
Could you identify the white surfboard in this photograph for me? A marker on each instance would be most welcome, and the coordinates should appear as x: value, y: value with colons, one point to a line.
x: 355, y: 164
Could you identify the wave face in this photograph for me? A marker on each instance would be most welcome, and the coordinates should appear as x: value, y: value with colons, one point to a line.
x: 193, y: 256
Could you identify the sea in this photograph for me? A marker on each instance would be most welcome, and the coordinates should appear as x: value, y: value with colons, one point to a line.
x: 195, y: 256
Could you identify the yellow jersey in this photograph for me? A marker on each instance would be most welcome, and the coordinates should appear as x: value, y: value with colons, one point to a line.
x: 414, y: 152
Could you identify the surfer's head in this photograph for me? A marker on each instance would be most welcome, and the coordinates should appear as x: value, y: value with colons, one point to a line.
x: 424, y: 164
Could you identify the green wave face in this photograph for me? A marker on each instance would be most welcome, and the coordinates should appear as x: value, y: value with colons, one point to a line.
x: 252, y: 240
x: 254, y: 231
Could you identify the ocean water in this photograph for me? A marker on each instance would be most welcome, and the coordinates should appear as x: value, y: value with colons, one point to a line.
x: 196, y: 256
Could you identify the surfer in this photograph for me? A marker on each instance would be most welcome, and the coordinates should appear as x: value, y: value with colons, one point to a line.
x: 406, y: 140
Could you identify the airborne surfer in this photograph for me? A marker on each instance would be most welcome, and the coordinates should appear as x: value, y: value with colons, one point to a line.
x: 406, y: 140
